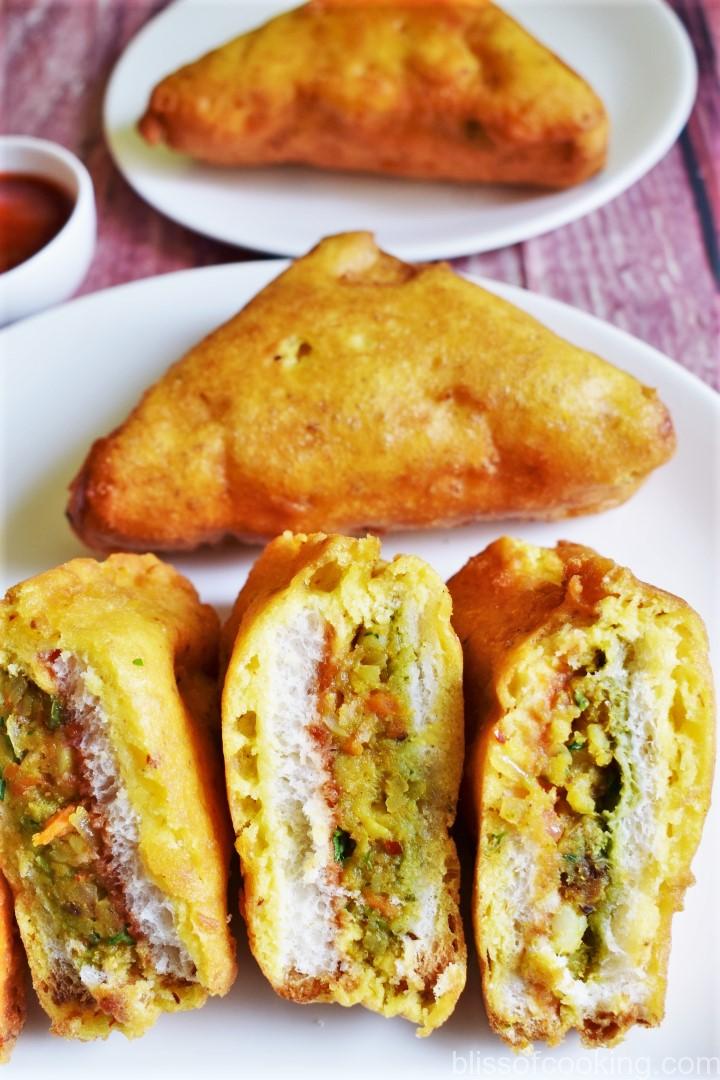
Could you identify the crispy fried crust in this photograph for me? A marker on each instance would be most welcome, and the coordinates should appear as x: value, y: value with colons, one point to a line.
x: 12, y: 976
x: 509, y: 602
x: 359, y: 391
x: 333, y: 575
x: 444, y: 90
x: 147, y: 653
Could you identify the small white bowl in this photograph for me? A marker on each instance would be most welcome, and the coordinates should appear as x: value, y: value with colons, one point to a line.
x: 56, y: 270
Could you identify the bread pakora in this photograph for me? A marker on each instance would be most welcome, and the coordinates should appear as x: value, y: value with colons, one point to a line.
x: 357, y: 391
x: 12, y: 970
x: 342, y: 731
x: 112, y: 834
x: 448, y: 90
x: 589, y: 707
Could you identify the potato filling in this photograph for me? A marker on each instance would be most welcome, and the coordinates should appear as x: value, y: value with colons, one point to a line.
x: 381, y: 787
x: 581, y: 814
x: 59, y: 850
x: 589, y: 784
x: 585, y: 786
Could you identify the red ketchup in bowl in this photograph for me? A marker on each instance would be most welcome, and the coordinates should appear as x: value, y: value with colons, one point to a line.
x: 33, y: 210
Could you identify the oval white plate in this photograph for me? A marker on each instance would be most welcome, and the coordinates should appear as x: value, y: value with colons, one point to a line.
x: 71, y: 375
x: 635, y: 54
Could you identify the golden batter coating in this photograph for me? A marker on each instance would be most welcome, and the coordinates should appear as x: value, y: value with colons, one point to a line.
x: 12, y: 975
x: 113, y: 835
x: 589, y: 708
x: 438, y: 90
x: 357, y: 391
x: 342, y: 731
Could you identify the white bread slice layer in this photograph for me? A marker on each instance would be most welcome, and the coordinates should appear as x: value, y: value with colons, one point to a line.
x: 151, y: 910
x: 307, y: 895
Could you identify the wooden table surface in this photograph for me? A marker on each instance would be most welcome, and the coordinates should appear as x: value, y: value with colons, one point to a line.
x: 648, y: 262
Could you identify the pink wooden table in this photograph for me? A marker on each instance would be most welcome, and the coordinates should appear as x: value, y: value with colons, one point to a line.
x: 649, y: 262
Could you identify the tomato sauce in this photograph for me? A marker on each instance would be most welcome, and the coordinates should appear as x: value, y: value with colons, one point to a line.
x: 33, y: 210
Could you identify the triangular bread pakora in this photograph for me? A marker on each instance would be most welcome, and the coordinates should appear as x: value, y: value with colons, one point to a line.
x: 358, y: 391
x: 437, y: 89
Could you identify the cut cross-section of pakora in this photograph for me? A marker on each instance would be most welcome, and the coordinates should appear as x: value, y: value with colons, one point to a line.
x: 448, y: 89
x: 358, y: 391
x: 590, y: 722
x: 343, y: 738
x: 113, y: 837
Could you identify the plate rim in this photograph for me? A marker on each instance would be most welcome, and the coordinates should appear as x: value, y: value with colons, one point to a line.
x: 587, y: 198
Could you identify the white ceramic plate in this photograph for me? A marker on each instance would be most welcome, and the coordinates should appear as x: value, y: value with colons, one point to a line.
x: 634, y: 52
x: 72, y: 374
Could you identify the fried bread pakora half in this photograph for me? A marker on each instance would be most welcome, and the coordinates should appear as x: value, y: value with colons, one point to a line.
x: 359, y: 392
x: 12, y: 971
x: 589, y: 708
x: 342, y: 731
x: 113, y: 837
x: 444, y: 90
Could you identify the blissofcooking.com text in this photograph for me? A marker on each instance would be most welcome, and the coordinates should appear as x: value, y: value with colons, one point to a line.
x: 595, y: 1063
